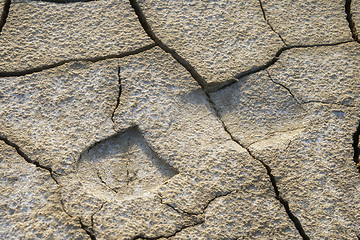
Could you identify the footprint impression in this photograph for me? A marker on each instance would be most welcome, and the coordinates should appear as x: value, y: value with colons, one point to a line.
x: 122, y: 167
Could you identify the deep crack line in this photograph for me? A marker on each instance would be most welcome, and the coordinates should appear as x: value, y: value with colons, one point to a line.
x: 142, y: 19
x: 89, y: 231
x: 27, y: 159
x: 60, y: 63
x: 285, y: 203
x: 267, y: 21
x: 118, y: 97
x: 4, y: 14
x: 350, y: 20
x: 356, y: 147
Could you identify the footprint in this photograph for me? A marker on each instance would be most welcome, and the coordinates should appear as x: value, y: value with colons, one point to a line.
x: 123, y: 166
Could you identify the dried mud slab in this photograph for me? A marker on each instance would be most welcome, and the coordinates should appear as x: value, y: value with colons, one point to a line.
x: 218, y: 38
x: 308, y: 22
x: 44, y: 33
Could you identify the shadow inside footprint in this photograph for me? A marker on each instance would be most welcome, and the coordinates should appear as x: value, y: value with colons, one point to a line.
x: 123, y: 165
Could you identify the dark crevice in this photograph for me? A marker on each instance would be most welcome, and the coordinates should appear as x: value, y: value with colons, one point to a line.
x: 293, y: 218
x: 350, y: 20
x: 27, y: 159
x: 271, y: 62
x: 142, y: 236
x: 200, y: 80
x: 60, y: 63
x: 89, y: 231
x: 4, y: 13
x: 118, y: 97
x: 356, y: 147
x: 267, y: 21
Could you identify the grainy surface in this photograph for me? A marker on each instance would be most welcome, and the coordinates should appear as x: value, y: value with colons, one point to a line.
x: 307, y: 21
x: 107, y: 133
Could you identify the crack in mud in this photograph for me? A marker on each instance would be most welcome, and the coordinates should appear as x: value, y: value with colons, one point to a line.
x: 267, y: 21
x: 306, y: 102
x: 283, y: 86
x: 270, y: 63
x: 350, y: 20
x: 205, y: 87
x: 356, y: 147
x: 142, y: 19
x: 118, y: 97
x: 60, y: 63
x: 51, y: 172
x: 89, y: 231
x: 178, y: 210
x: 4, y: 14
x: 92, y: 216
x: 293, y: 218
x: 27, y: 158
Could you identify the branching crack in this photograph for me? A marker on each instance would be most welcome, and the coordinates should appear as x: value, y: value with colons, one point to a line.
x: 197, y: 222
x: 60, y: 63
x: 271, y: 62
x: 89, y: 231
x: 356, y: 147
x: 142, y: 19
x: 103, y: 182
x: 305, y: 102
x: 198, y: 78
x: 294, y: 219
x: 118, y: 97
x: 204, y: 86
x: 267, y: 21
x: 27, y: 158
x: 350, y: 20
x: 178, y: 210
x: 4, y: 13
x: 283, y: 86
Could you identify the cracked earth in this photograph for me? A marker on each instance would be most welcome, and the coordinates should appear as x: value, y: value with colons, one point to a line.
x: 148, y: 119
